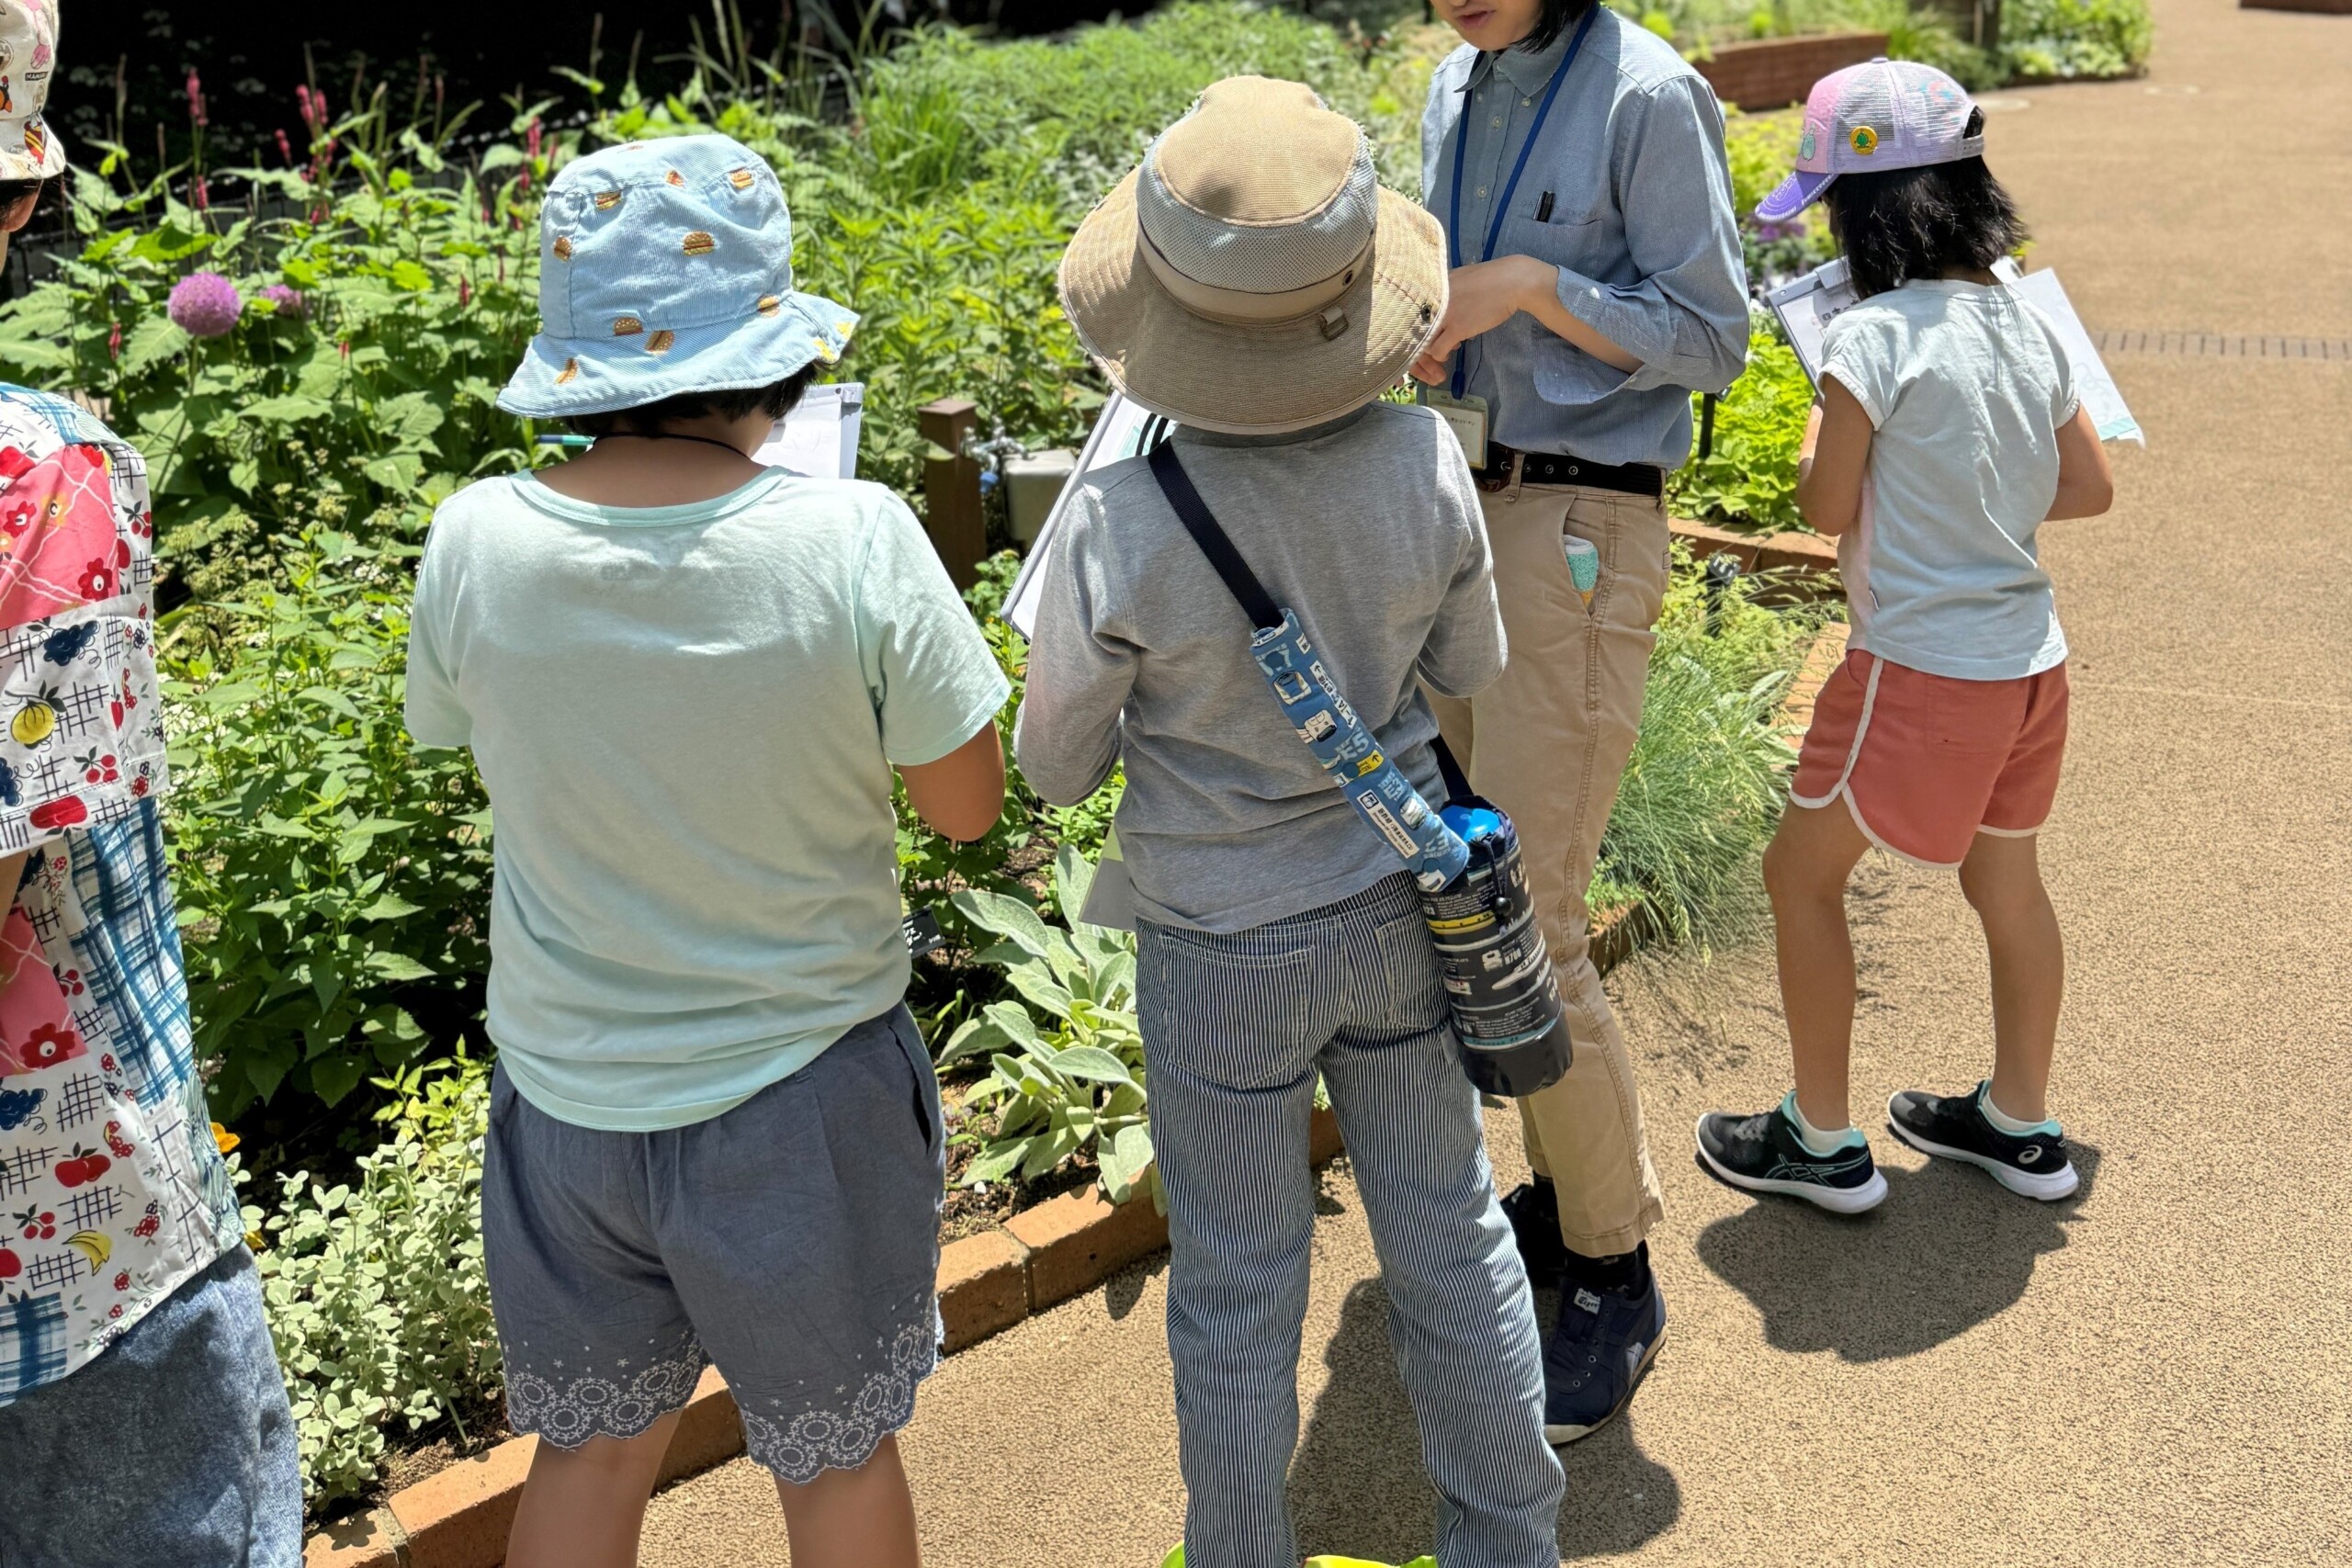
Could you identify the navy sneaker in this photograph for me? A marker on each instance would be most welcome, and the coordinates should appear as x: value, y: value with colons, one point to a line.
x: 1533, y: 1211
x: 1601, y: 1349
x: 1953, y: 1126
x: 1763, y: 1154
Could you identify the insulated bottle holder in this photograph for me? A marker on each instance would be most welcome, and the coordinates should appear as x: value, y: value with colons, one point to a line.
x: 1465, y: 858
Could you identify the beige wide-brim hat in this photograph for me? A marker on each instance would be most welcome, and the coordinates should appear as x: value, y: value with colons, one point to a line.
x: 1251, y: 276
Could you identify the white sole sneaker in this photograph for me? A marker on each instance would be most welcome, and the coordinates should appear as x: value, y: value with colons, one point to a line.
x: 1837, y: 1199
x: 1561, y: 1436
x: 2046, y: 1186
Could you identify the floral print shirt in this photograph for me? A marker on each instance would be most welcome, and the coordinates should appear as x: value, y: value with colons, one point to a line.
x: 112, y: 1193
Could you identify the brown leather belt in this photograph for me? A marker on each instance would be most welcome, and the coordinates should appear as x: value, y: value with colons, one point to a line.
x: 1545, y: 469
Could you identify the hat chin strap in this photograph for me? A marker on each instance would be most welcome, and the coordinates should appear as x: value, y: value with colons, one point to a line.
x: 1242, y: 308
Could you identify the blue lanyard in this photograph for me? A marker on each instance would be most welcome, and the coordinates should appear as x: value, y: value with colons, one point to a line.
x: 1502, y: 207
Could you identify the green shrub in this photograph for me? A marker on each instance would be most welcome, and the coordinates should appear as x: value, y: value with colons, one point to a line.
x: 374, y: 1287
x: 334, y: 880
x: 2048, y: 40
x: 359, y: 409
x: 1750, y: 479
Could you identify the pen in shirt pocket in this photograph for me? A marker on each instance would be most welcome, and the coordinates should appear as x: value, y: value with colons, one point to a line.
x: 1543, y: 208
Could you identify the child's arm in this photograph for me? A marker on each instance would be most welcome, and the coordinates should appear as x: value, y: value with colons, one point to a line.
x: 1066, y: 737
x: 2086, y: 484
x: 1463, y: 651
x: 1834, y: 460
x: 962, y: 794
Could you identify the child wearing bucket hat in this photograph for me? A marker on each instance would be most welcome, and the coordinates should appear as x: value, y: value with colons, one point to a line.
x: 1950, y: 427
x: 1252, y: 283
x: 144, y: 1418
x: 715, y: 1132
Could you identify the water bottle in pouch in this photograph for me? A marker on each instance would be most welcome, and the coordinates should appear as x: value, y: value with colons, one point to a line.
x: 1498, y: 977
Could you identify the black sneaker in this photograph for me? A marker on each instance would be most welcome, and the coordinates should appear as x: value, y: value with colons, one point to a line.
x: 1953, y: 1126
x: 1601, y: 1349
x: 1763, y: 1154
x: 1533, y: 1211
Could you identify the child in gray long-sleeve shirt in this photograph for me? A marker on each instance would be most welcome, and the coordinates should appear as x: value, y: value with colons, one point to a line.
x: 1279, y: 936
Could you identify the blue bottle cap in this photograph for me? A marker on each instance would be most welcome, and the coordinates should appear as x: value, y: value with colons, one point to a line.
x: 1471, y: 823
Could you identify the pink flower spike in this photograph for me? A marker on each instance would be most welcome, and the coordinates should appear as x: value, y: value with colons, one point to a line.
x: 465, y: 293
x: 531, y: 139
x: 195, y: 100
x: 114, y: 342
x: 284, y: 149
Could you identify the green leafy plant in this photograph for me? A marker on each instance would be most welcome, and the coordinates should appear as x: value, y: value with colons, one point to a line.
x: 1077, y: 1083
x: 1708, y: 775
x: 374, y: 1287
x: 358, y: 395
x: 2063, y: 40
x: 1750, y: 479
x: 333, y: 881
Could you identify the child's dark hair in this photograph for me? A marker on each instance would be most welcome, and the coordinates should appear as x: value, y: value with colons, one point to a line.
x: 15, y: 191
x: 1555, y: 18
x: 1896, y: 226
x: 775, y: 401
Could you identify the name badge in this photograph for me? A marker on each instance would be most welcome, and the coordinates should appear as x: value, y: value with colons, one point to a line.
x: 1467, y: 417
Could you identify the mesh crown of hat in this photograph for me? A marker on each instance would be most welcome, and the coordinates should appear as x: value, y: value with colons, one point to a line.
x: 1225, y: 213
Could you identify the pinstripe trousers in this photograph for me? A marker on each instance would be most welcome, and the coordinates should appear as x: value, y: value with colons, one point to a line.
x: 1234, y: 1029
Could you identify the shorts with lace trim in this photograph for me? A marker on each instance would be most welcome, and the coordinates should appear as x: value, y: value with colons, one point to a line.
x: 792, y: 1241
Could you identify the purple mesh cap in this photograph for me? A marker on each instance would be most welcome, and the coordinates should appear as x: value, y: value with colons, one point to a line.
x: 1883, y: 114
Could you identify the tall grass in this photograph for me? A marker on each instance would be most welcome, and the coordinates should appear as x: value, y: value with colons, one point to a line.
x: 1708, y: 776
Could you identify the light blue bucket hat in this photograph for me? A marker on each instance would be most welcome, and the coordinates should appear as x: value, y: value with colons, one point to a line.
x: 665, y: 267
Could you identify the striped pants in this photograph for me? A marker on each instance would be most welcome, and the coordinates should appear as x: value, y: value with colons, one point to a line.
x: 1234, y: 1029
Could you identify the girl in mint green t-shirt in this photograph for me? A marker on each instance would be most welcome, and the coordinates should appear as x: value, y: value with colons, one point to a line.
x: 686, y: 678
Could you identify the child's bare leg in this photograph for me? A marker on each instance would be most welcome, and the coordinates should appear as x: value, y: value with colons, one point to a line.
x: 2002, y: 877
x: 582, y: 1507
x: 1806, y: 871
x: 853, y: 1518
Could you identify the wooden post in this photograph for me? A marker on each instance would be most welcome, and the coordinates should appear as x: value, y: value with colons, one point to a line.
x: 951, y: 488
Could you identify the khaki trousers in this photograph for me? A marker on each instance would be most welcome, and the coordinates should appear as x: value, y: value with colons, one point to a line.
x: 1547, y: 742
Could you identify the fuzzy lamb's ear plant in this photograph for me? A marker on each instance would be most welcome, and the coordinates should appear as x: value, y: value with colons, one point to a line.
x: 1076, y: 1082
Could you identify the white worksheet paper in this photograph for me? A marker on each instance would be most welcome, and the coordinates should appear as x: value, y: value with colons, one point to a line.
x: 1123, y: 430
x: 818, y: 439
x: 1808, y: 306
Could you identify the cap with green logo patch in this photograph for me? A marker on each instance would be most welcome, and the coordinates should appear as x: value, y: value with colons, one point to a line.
x: 1883, y: 114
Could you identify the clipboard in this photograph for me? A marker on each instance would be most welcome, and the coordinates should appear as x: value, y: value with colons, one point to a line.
x: 1123, y: 430
x: 818, y: 439
x: 1805, y: 306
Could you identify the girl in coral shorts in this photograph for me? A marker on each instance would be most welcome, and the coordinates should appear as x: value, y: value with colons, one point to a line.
x: 1950, y: 427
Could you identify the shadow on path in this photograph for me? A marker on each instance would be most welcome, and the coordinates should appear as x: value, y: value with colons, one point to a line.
x: 1949, y: 1249
x: 1357, y: 1486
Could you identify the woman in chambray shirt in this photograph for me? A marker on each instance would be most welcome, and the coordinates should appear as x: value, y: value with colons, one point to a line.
x: 1578, y: 164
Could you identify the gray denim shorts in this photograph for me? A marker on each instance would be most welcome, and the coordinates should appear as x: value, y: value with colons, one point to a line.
x: 793, y: 1242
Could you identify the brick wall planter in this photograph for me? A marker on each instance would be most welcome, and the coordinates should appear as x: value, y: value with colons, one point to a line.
x: 1809, y: 561
x: 1773, y: 72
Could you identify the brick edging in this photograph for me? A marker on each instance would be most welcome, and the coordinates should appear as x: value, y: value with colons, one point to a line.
x: 459, y: 1517
x: 1808, y: 558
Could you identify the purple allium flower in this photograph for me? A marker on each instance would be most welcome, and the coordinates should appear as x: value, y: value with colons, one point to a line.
x: 1768, y: 230
x: 286, y: 301
x: 205, y: 304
